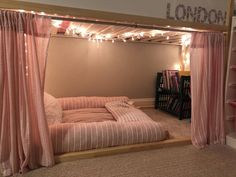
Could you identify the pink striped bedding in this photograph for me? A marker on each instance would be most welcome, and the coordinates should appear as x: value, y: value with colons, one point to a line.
x: 115, y: 123
x: 86, y: 115
x: 72, y: 137
x: 123, y: 112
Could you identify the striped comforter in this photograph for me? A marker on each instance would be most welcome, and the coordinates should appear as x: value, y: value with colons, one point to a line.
x: 132, y: 126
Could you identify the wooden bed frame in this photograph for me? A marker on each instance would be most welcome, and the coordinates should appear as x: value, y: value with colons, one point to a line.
x: 121, y: 149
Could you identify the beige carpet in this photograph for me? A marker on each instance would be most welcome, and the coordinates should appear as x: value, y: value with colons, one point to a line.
x: 177, y: 128
x: 186, y: 161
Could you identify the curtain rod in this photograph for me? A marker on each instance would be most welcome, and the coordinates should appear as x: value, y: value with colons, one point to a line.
x: 123, y: 24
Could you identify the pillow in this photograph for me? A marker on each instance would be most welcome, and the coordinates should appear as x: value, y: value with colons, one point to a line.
x: 69, y: 103
x: 53, y: 109
x: 130, y: 102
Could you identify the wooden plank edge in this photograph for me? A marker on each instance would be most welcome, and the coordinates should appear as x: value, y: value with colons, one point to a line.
x: 67, y: 157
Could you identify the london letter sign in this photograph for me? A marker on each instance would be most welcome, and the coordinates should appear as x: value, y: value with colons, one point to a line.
x: 195, y: 14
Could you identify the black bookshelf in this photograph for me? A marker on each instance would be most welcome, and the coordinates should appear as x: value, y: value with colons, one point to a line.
x: 172, y: 101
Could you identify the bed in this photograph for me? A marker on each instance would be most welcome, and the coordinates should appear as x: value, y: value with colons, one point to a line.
x: 99, y: 122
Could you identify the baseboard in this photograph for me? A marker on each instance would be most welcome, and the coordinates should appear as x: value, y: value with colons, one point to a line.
x: 231, y: 140
x: 144, y: 102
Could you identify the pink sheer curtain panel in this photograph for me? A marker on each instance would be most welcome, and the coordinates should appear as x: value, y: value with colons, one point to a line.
x: 207, y: 74
x: 24, y: 136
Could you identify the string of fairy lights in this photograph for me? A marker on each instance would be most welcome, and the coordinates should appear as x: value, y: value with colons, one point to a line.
x: 186, y: 40
x: 80, y: 31
x: 77, y: 30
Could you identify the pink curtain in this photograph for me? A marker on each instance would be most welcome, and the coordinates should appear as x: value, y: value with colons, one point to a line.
x: 207, y: 74
x: 24, y: 135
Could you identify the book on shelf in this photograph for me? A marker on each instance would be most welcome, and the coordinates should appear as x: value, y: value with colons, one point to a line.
x: 171, y: 79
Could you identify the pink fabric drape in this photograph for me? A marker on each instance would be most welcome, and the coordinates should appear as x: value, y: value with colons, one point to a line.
x: 207, y: 74
x: 24, y: 135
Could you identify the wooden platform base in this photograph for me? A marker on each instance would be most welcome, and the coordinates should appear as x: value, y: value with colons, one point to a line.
x: 121, y: 149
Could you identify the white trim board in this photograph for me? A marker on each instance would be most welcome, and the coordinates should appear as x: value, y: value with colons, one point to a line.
x: 231, y: 140
x: 144, y: 102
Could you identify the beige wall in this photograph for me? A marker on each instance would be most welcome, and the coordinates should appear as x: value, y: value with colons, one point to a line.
x: 78, y: 67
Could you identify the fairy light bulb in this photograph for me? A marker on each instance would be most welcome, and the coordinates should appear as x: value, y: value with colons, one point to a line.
x: 177, y: 66
x: 128, y: 34
x: 168, y: 37
x: 124, y: 40
x: 82, y: 30
x: 142, y: 34
x: 186, y: 39
x: 57, y: 23
x: 113, y: 41
x: 42, y: 13
x: 187, y: 61
x: 83, y: 34
x: 21, y: 10
x: 108, y: 36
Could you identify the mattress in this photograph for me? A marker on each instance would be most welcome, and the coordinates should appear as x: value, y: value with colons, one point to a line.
x: 71, y: 137
x: 112, y: 123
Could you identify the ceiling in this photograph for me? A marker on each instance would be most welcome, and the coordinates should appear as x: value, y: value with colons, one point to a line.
x: 117, y: 33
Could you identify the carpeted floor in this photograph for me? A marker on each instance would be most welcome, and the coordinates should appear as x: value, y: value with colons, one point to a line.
x: 186, y: 161
x: 177, y: 128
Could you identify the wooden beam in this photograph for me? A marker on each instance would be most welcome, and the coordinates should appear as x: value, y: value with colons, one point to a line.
x: 121, y: 149
x: 230, y: 10
x: 110, y: 16
x: 163, y: 38
x: 119, y: 31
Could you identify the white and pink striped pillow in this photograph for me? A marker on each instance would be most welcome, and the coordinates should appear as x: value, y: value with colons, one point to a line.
x: 88, y: 102
x: 53, y: 109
